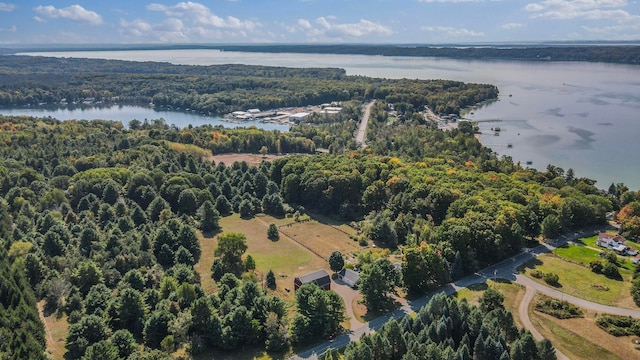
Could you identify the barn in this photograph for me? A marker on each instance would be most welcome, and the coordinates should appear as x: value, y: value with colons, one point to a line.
x: 320, y: 277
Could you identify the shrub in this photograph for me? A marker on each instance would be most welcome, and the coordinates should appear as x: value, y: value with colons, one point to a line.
x: 596, y: 266
x: 619, y: 325
x: 551, y: 278
x: 635, y: 291
x: 610, y: 270
x: 611, y: 257
x: 536, y: 274
x: 363, y: 242
x: 557, y: 308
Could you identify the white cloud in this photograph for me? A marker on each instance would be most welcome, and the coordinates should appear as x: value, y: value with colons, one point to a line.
x: 6, y: 7
x: 303, y: 23
x: 510, y: 26
x: 74, y: 12
x: 325, y: 28
x: 452, y: 31
x: 202, y: 15
x: 583, y: 9
x: 170, y: 30
x: 11, y: 29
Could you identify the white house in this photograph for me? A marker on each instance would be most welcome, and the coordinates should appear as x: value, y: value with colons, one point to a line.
x: 349, y: 277
x: 610, y: 241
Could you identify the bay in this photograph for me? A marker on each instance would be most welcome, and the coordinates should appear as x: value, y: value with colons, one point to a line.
x: 126, y: 113
x: 575, y: 115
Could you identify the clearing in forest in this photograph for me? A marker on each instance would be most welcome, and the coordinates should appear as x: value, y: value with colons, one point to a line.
x: 285, y: 257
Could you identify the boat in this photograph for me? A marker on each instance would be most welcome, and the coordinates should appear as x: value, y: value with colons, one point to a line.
x: 529, y: 162
x: 509, y: 146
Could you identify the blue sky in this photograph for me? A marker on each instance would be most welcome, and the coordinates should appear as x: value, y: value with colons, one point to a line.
x: 319, y: 21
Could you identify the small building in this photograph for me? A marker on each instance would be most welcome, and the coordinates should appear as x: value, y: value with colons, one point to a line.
x: 320, y: 277
x: 297, y: 117
x: 620, y: 249
x: 238, y: 113
x: 253, y: 111
x: 349, y: 277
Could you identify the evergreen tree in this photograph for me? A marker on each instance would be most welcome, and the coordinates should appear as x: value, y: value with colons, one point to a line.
x: 272, y: 232
x: 270, y: 280
x: 336, y: 261
x: 209, y: 217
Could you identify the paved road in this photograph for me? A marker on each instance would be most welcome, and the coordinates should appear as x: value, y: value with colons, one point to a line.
x: 362, y: 129
x: 503, y: 270
x: 523, y: 313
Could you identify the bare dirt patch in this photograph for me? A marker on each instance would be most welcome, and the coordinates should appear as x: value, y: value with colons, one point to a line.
x: 251, y: 159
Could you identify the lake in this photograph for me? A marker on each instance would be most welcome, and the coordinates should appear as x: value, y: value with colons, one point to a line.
x: 124, y: 114
x: 573, y: 115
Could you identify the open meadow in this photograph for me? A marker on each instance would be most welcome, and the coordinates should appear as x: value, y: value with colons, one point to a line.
x: 303, y: 247
x: 581, y: 338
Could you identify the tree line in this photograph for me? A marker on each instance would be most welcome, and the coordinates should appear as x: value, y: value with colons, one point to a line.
x: 622, y: 54
x: 216, y: 89
x: 448, y: 329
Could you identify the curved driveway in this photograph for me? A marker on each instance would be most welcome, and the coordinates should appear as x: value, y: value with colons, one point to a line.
x: 523, y: 313
x: 507, y: 269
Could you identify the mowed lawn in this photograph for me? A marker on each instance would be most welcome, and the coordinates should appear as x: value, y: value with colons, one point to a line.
x: 285, y: 257
x: 581, y: 254
x: 580, y: 281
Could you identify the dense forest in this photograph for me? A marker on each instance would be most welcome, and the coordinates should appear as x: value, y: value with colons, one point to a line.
x: 448, y: 329
x: 109, y: 217
x: 103, y: 223
x: 219, y: 89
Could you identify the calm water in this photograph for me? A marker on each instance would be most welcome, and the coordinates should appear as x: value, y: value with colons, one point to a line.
x: 573, y: 115
x: 125, y: 114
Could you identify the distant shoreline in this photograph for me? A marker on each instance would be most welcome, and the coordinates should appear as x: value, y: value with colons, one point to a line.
x: 618, y: 53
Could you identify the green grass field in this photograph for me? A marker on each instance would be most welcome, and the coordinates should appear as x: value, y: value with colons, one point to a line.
x: 581, y: 254
x: 581, y: 282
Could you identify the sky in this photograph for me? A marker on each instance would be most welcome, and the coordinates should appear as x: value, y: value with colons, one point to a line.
x: 316, y: 21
